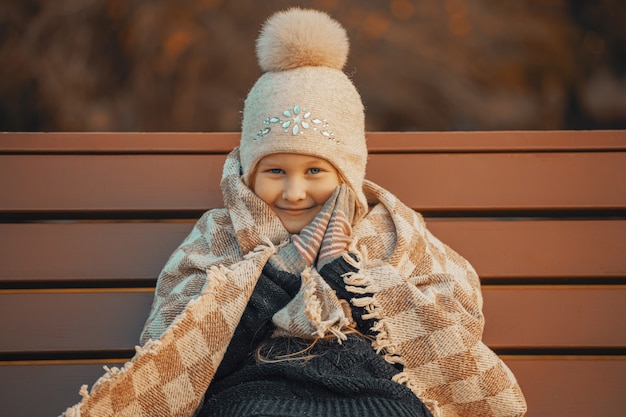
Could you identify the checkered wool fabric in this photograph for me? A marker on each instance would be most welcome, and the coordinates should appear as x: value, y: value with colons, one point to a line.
x: 424, y: 297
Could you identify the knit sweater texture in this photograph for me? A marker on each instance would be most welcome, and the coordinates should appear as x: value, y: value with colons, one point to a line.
x: 423, y: 297
x: 328, y: 379
x: 297, y: 377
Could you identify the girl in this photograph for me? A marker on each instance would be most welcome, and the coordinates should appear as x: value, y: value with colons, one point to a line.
x: 314, y: 292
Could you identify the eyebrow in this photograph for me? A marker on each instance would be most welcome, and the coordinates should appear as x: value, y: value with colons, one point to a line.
x: 316, y: 161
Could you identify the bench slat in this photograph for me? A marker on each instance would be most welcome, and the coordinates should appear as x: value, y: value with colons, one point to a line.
x: 44, y: 390
x: 467, y: 181
x: 555, y: 316
x: 110, y: 182
x: 72, y: 320
x: 88, y: 251
x: 561, y: 387
x: 138, y: 250
x: 525, y: 316
x: 377, y: 142
x: 440, y: 182
x: 538, y: 249
x: 553, y: 387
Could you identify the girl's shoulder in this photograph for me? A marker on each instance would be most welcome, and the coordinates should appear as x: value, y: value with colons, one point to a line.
x: 215, y: 220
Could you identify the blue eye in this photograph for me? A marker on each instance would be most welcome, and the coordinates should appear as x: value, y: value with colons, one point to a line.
x: 276, y: 170
x: 315, y: 170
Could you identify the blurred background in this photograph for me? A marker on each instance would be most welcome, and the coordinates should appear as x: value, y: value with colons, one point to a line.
x: 429, y: 65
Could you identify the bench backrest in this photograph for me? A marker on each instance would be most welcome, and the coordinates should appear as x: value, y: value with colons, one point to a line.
x: 88, y: 220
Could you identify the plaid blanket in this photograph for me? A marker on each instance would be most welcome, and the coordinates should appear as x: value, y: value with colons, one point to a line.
x: 424, y: 297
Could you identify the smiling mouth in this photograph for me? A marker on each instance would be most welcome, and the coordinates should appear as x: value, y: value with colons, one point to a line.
x: 294, y: 210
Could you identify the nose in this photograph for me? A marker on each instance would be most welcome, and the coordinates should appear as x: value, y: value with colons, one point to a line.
x: 294, y: 189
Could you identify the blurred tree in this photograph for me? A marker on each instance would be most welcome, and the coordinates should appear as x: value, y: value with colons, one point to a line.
x: 601, y: 96
x: 186, y: 65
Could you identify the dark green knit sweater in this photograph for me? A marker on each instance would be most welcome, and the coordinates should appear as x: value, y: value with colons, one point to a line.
x: 296, y: 379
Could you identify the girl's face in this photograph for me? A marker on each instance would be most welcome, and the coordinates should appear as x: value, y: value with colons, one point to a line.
x: 295, y: 186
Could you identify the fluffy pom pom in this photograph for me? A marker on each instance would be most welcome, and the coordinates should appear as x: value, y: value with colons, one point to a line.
x: 301, y: 37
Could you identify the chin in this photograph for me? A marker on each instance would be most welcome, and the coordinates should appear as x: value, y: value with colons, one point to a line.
x: 294, y: 230
x: 293, y: 227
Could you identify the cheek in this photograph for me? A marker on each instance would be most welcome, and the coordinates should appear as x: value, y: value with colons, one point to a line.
x: 328, y: 193
x: 264, y: 191
x: 327, y: 189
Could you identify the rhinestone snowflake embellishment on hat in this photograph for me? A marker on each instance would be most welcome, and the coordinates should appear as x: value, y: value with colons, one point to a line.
x: 296, y: 121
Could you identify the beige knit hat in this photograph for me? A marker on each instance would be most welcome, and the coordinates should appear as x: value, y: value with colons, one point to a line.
x: 304, y: 103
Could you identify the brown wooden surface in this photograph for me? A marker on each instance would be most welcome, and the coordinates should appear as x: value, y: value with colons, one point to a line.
x: 44, y: 390
x: 430, y: 181
x: 138, y: 250
x: 523, y: 180
x: 560, y: 387
x: 531, y: 208
x: 72, y: 321
x: 88, y: 250
x: 377, y: 142
x: 555, y: 316
x: 538, y: 249
x: 524, y: 316
x: 553, y: 387
x: 110, y: 182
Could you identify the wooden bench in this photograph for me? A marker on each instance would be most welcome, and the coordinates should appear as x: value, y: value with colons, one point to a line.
x: 89, y: 219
